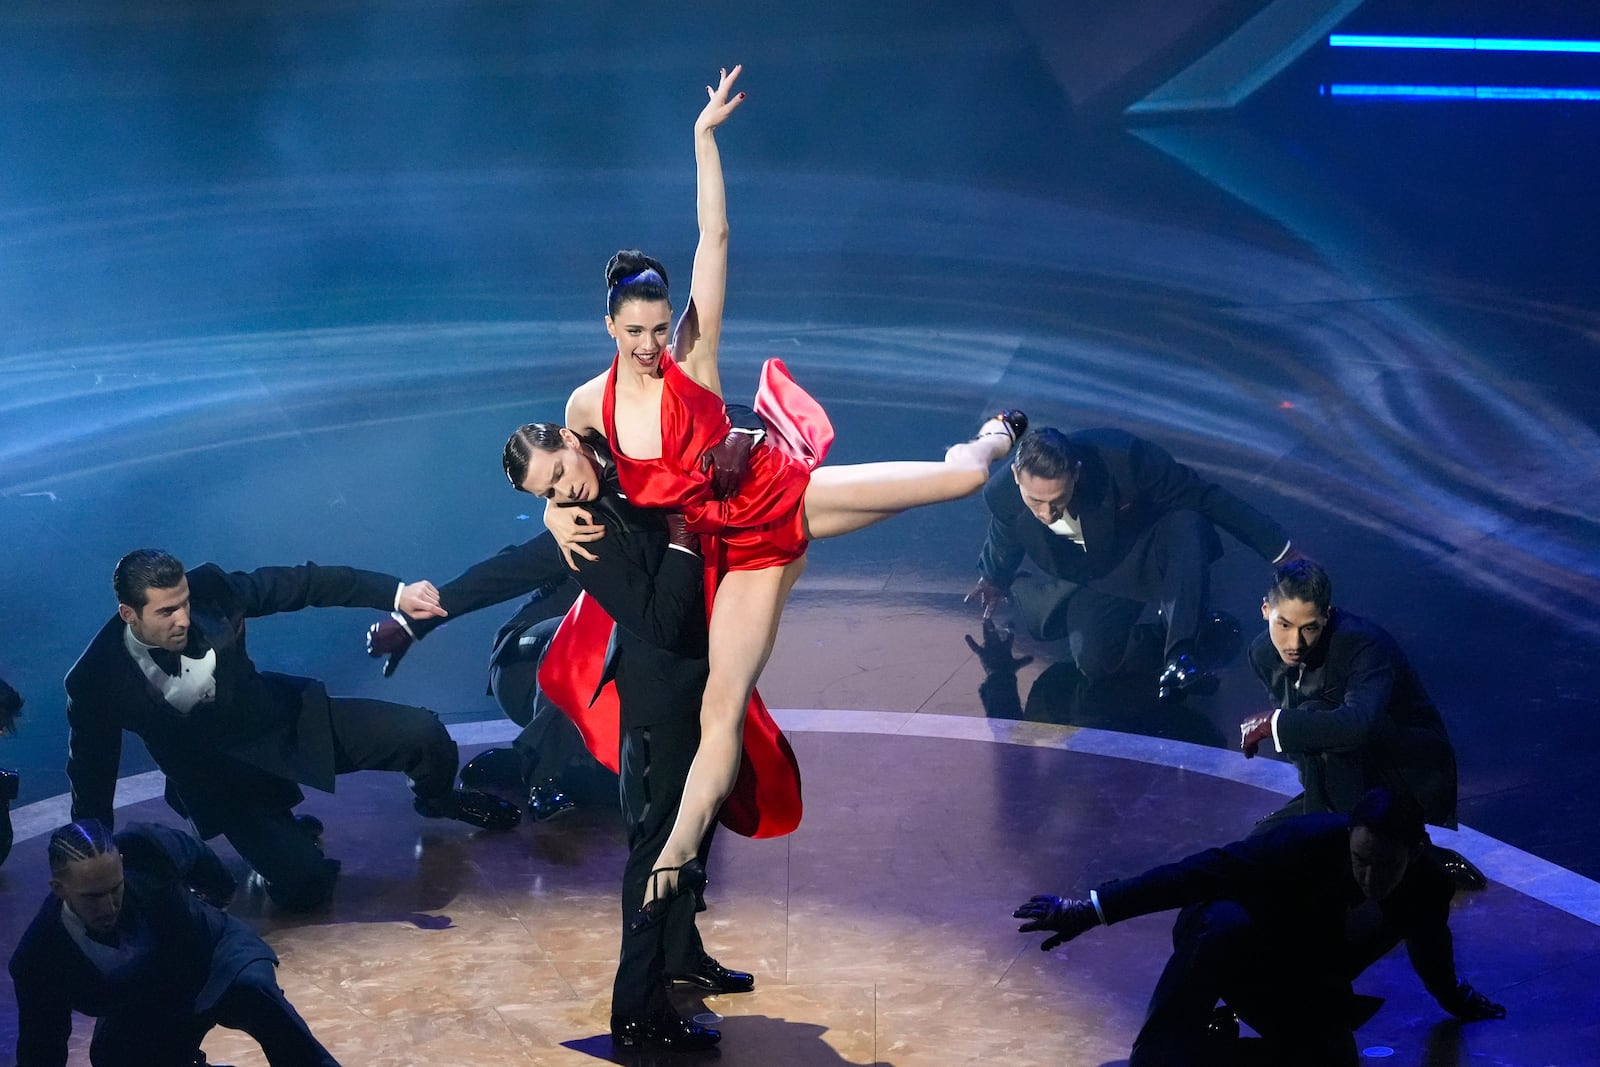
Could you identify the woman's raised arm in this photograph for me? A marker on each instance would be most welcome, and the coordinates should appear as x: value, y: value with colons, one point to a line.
x: 700, y: 328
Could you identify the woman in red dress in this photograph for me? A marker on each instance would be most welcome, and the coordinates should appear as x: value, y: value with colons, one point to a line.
x: 659, y: 406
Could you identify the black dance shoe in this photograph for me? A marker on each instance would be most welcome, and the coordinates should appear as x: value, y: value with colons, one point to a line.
x: 494, y: 770
x: 309, y: 892
x: 1015, y: 422
x: 1462, y: 871
x: 709, y: 976
x: 471, y: 807
x: 1219, y: 641
x: 665, y: 1032
x: 691, y: 879
x: 1182, y: 677
x: 546, y: 801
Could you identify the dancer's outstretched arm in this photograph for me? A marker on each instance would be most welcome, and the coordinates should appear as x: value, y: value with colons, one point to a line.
x: 700, y: 328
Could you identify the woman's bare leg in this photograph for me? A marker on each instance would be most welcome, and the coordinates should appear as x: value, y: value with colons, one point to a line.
x: 844, y: 499
x: 744, y: 623
x: 749, y: 604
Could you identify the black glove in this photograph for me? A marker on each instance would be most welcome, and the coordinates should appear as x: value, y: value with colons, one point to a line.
x: 988, y: 595
x: 678, y: 533
x: 727, y: 463
x: 10, y: 706
x: 995, y: 652
x: 389, y: 637
x: 1068, y: 918
x: 1470, y: 1005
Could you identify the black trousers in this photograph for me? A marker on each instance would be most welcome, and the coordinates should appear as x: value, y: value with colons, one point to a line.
x: 1220, y: 953
x: 1169, y: 565
x: 253, y: 1002
x: 368, y: 735
x: 655, y: 764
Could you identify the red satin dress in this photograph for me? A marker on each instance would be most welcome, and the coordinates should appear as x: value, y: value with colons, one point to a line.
x: 760, y: 526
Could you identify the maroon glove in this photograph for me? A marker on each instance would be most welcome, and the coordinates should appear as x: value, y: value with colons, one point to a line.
x: 389, y: 637
x: 678, y: 533
x: 1253, y: 731
x: 727, y: 463
x: 988, y: 595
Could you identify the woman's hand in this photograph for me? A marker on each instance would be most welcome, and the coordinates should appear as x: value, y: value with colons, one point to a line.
x: 721, y: 104
x: 572, y: 527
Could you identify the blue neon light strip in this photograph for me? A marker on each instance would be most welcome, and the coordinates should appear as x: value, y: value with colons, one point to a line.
x: 1461, y: 44
x: 1459, y: 92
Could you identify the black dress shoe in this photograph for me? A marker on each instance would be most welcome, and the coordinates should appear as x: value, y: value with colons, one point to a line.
x: 662, y: 1033
x: 471, y: 807
x: 309, y: 892
x: 709, y: 976
x: 494, y: 770
x: 546, y: 801
x: 1462, y: 871
x: 1183, y: 677
x: 1219, y: 641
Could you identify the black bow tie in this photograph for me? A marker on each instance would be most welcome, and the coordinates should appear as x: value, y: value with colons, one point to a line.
x: 194, y: 649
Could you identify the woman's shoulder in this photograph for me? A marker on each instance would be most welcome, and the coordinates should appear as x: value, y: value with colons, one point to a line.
x: 584, y: 405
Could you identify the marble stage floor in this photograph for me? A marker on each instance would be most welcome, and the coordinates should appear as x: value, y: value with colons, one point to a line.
x: 880, y: 932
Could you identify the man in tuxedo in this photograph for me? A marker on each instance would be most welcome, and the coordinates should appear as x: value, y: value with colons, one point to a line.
x: 236, y: 743
x: 548, y: 757
x: 1278, y: 926
x: 1115, y: 523
x: 647, y: 575
x: 1348, y: 710
x: 129, y: 934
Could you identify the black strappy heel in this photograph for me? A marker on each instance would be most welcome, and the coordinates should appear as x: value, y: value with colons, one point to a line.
x: 691, y: 879
x: 1015, y: 422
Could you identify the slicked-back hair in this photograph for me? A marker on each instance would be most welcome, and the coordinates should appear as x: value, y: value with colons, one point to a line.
x: 1047, y: 453
x: 632, y: 275
x: 1301, y: 579
x: 1394, y: 817
x: 78, y: 841
x: 142, y: 570
x: 520, y: 446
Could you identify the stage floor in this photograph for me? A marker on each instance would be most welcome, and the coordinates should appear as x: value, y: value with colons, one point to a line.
x: 879, y: 933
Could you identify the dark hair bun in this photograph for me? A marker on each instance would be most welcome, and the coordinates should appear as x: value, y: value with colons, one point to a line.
x: 631, y: 261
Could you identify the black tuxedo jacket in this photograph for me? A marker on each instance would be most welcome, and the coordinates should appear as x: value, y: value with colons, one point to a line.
x: 1126, y: 484
x: 198, y: 950
x: 1296, y: 883
x: 264, y: 732
x: 1355, y: 715
x: 654, y: 594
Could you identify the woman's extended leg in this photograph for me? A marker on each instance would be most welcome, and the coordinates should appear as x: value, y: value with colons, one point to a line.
x: 744, y: 623
x: 844, y: 499
x: 749, y: 604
